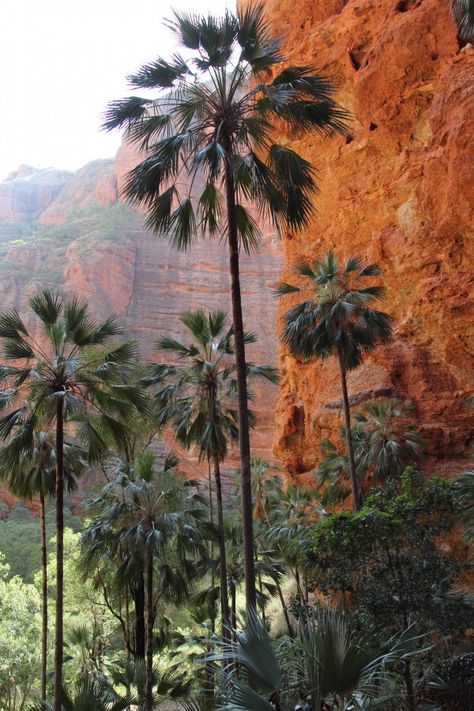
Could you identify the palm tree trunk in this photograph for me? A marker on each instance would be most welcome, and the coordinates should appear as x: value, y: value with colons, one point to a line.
x: 242, y: 396
x: 139, y: 600
x: 260, y: 585
x: 44, y: 596
x: 222, y: 552
x: 59, y: 637
x: 350, y: 447
x: 211, y: 546
x: 233, y: 616
x: 285, y: 609
x: 149, y: 633
x: 409, y: 685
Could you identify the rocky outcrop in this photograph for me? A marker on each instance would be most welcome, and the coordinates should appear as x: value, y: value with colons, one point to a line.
x: 93, y: 185
x: 27, y: 192
x: 400, y: 190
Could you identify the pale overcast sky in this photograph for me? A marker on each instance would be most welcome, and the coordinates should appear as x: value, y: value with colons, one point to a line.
x: 61, y: 61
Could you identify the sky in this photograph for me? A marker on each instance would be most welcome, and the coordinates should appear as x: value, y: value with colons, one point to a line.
x: 62, y: 61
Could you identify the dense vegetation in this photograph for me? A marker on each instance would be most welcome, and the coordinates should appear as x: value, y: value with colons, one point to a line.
x: 265, y: 593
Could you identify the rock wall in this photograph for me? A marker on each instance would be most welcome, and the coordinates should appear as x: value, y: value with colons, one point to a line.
x: 399, y: 190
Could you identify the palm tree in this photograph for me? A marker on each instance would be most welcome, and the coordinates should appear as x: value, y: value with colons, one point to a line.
x: 151, y: 515
x: 463, y: 11
x: 198, y: 400
x: 214, y: 123
x: 168, y: 683
x: 384, y: 444
x: 387, y: 443
x: 291, y: 520
x: 60, y: 370
x: 337, y: 320
x: 103, y: 555
x: 34, y: 474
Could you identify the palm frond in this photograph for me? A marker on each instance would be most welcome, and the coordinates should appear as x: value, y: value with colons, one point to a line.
x: 159, y: 74
x: 282, y: 289
x: 259, y: 48
x: 11, y: 325
x: 124, y: 112
x: 17, y: 349
x: 47, y: 305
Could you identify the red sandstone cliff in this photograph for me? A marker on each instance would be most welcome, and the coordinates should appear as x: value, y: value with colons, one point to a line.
x: 399, y: 190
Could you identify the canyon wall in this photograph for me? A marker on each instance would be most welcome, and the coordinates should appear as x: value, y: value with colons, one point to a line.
x: 399, y: 190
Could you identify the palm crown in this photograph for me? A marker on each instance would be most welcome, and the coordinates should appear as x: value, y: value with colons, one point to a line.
x: 339, y: 318
x: 197, y: 395
x: 212, y: 113
x: 67, y: 361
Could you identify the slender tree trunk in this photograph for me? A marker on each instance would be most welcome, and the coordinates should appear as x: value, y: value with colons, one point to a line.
x: 233, y: 615
x: 44, y: 596
x: 222, y: 552
x: 260, y: 586
x: 149, y: 633
x: 350, y: 447
x: 139, y: 600
x: 280, y: 591
x: 242, y: 396
x: 127, y: 640
x: 409, y: 685
x: 296, y: 575
x: 211, y: 546
x: 59, y: 636
x: 284, y: 608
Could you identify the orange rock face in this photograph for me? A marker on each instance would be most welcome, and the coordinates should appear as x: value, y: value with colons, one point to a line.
x: 398, y: 190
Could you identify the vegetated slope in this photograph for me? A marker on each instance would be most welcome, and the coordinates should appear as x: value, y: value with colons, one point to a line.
x: 400, y: 191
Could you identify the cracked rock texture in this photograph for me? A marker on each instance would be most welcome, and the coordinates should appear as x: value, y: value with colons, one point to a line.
x: 399, y: 190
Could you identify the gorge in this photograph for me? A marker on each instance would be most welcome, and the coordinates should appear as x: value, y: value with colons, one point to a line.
x: 387, y: 191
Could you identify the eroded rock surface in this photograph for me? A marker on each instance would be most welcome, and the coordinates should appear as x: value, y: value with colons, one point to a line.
x: 399, y: 190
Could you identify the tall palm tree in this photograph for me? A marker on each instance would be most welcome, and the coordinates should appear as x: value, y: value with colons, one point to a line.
x: 32, y: 474
x: 152, y: 514
x: 62, y: 368
x: 337, y: 320
x: 213, y: 121
x: 197, y: 398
